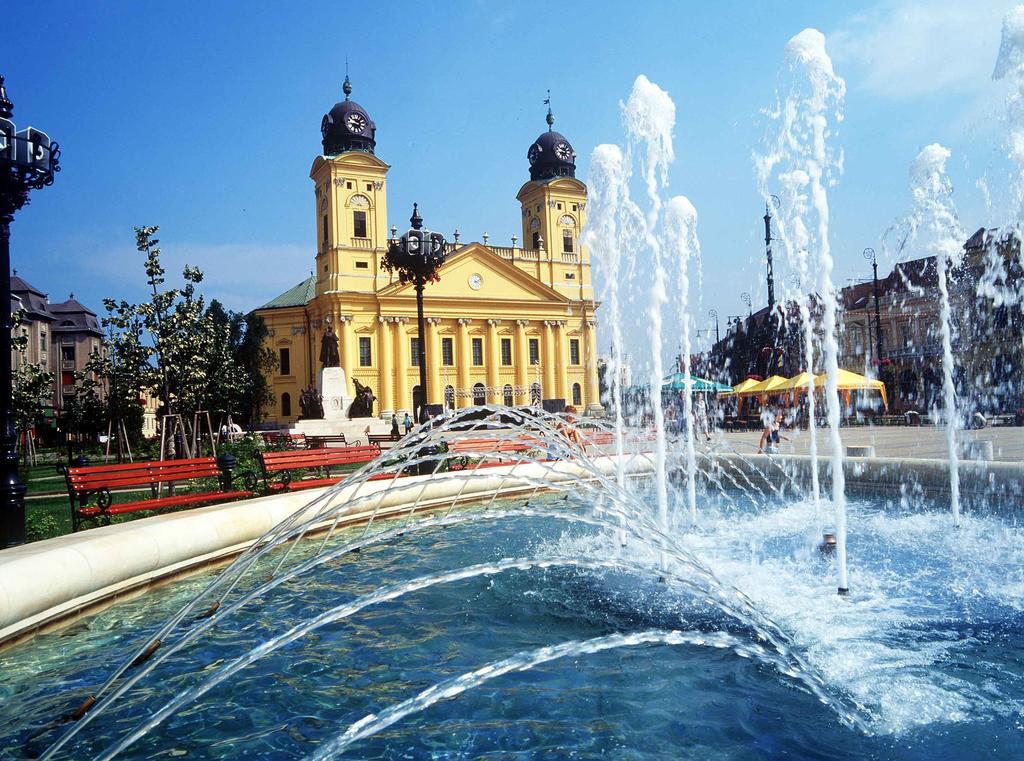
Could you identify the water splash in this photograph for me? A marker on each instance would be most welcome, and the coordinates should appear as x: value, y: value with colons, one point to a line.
x: 804, y: 121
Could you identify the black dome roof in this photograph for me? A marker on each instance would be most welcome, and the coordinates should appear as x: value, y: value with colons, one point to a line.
x: 348, y: 127
x: 551, y: 155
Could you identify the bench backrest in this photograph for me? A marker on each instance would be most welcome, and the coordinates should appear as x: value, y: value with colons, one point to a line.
x: 317, y: 458
x: 91, y: 477
x: 489, y: 445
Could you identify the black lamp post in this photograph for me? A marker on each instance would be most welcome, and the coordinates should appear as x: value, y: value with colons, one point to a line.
x: 28, y: 161
x: 415, y: 258
x: 713, y: 314
x: 745, y: 298
x: 869, y: 254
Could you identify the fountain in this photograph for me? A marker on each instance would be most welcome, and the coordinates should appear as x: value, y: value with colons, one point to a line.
x: 549, y: 595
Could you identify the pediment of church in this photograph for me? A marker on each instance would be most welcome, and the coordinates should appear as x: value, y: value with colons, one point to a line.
x: 475, y: 272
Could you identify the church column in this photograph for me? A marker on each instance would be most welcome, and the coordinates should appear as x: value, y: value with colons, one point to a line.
x: 560, y: 360
x: 348, y: 349
x: 403, y: 392
x: 593, y: 390
x: 522, y: 363
x: 433, y: 348
x: 493, y: 361
x: 465, y: 358
x: 549, y: 360
x: 385, y: 376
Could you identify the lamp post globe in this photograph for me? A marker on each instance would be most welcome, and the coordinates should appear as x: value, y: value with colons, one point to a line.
x: 28, y: 161
x: 416, y: 258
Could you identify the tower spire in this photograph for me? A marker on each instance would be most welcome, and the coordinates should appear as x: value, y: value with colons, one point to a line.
x: 550, y: 117
x: 347, y: 86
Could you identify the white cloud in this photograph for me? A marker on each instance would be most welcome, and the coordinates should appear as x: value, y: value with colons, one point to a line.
x: 909, y: 48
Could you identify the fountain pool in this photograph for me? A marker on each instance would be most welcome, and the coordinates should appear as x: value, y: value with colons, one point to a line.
x: 921, y: 661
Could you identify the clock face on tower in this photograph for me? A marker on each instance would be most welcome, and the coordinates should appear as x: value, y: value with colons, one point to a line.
x: 355, y: 122
x: 325, y: 125
x: 533, y: 154
x: 563, y: 151
x: 475, y: 281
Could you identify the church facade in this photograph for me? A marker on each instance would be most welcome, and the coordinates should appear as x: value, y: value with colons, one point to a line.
x: 505, y: 325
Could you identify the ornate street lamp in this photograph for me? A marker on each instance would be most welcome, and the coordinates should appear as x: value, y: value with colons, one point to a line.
x: 415, y: 258
x: 869, y: 254
x: 713, y: 314
x: 28, y: 161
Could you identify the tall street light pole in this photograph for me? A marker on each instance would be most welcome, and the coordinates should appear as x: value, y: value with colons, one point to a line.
x: 415, y: 258
x: 28, y: 161
x: 869, y: 253
x: 713, y: 314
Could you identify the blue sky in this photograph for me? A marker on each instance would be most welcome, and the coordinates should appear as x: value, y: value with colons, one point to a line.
x: 204, y: 118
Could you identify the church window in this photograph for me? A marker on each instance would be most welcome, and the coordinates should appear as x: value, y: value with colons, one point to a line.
x: 348, y: 186
x: 575, y: 207
x: 574, y: 351
x: 365, y: 356
x: 506, y: 351
x: 567, y: 220
x: 577, y: 394
x: 538, y: 208
x: 536, y: 240
x: 478, y: 351
x: 570, y: 275
x: 286, y: 404
x: 325, y: 230
x: 359, y: 224
x: 479, y: 394
x: 447, y: 352
x: 369, y: 186
x: 567, y: 241
x: 506, y: 394
x: 534, y: 351
x: 286, y: 362
x: 559, y: 207
x: 414, y: 349
x: 362, y: 265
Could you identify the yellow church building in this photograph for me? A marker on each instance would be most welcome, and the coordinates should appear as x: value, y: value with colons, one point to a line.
x: 505, y: 325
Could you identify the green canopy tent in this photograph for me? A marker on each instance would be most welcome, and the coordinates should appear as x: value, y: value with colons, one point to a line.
x: 677, y: 382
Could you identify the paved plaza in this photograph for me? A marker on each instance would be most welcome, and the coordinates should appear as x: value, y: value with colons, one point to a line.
x: 924, y: 442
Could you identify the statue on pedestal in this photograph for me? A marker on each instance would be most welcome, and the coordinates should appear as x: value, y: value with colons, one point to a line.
x: 311, y: 404
x: 362, y: 406
x: 329, y: 356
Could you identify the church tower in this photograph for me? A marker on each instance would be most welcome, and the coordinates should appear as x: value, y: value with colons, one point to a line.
x: 350, y: 194
x: 553, y: 205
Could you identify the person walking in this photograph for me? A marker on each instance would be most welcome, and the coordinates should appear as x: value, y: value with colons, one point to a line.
x: 407, y: 422
x: 394, y: 426
x: 700, y: 417
x: 771, y: 434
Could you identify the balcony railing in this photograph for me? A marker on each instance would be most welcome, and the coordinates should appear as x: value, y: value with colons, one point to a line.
x: 362, y: 243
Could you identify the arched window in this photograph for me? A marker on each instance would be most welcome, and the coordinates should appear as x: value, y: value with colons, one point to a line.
x: 577, y: 394
x: 449, y: 397
x: 507, y: 396
x: 417, y: 400
x: 535, y: 394
x: 479, y: 394
x: 286, y: 404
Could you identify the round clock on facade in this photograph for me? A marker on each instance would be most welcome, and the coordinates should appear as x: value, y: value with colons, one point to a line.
x: 326, y: 124
x: 355, y: 122
x: 533, y: 154
x: 475, y: 281
x: 563, y: 151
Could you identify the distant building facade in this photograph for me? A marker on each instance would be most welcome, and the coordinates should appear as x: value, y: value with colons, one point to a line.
x: 61, y: 336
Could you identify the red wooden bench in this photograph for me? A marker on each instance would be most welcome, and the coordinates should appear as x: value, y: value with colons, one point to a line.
x: 289, y: 440
x: 284, y: 464
x: 91, y: 488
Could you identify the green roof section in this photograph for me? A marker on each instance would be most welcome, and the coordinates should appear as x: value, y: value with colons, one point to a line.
x: 296, y: 296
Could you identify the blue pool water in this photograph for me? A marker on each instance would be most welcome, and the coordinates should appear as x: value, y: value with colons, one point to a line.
x: 926, y: 651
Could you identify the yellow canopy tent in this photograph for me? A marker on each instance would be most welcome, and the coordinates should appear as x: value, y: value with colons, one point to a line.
x: 740, y: 391
x: 769, y: 385
x: 798, y: 382
x: 850, y: 381
x: 742, y: 386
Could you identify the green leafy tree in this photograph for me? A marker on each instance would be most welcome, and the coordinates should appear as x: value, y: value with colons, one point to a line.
x: 32, y: 387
